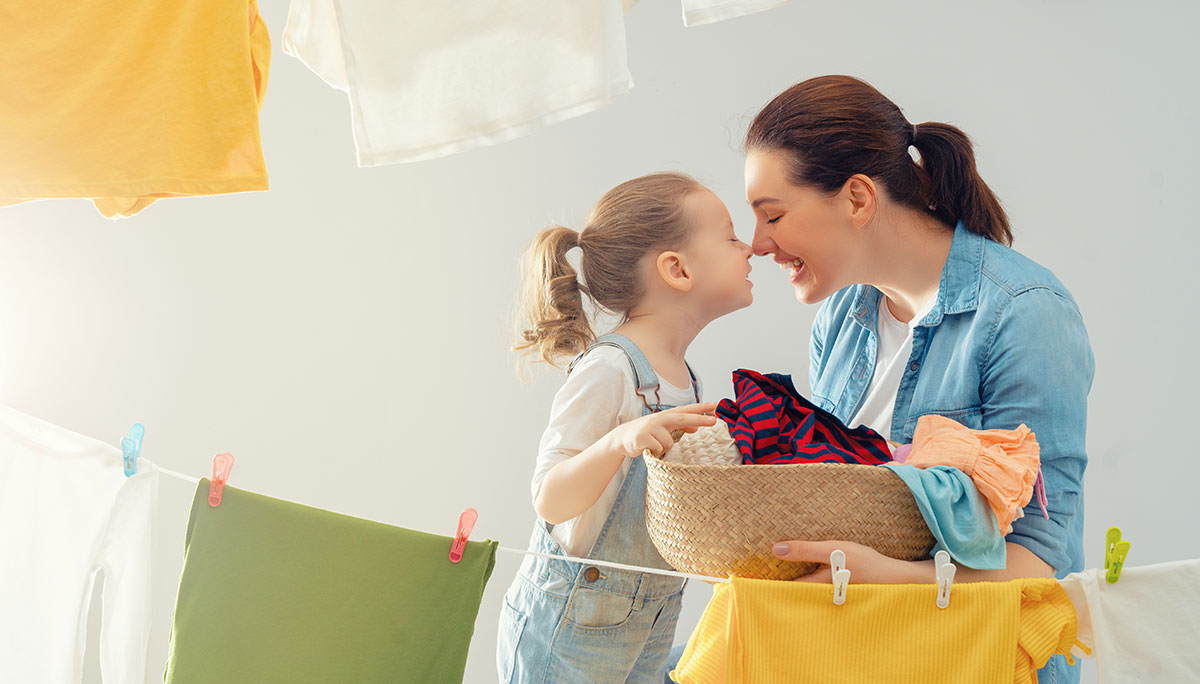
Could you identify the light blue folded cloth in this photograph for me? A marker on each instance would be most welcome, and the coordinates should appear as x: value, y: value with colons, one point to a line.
x: 956, y: 513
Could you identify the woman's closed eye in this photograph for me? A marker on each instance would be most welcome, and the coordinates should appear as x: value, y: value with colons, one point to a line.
x: 775, y: 219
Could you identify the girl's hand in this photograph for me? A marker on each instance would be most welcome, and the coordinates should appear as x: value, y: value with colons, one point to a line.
x: 653, y: 432
x: 866, y: 565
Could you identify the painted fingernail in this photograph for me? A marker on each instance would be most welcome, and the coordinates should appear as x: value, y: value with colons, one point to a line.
x: 782, y: 548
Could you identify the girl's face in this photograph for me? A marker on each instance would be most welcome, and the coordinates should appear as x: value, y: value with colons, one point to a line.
x: 807, y: 233
x: 718, y: 259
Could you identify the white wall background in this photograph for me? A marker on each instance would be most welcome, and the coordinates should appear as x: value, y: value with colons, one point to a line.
x: 309, y: 330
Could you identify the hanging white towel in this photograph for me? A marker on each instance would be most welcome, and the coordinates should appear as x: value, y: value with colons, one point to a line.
x: 428, y: 79
x: 1144, y: 627
x: 699, y: 12
x: 67, y: 511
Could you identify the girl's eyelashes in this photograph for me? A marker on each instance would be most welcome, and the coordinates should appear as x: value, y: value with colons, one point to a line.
x: 774, y: 219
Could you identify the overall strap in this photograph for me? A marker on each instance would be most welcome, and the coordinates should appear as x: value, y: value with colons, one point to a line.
x: 645, y: 379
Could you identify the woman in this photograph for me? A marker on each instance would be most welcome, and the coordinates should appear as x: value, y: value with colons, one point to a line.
x: 925, y: 309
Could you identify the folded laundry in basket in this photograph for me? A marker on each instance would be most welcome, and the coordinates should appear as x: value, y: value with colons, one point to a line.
x: 956, y: 513
x: 773, y: 424
x: 1003, y: 464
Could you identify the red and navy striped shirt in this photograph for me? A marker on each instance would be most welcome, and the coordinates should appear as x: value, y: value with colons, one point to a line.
x: 773, y: 424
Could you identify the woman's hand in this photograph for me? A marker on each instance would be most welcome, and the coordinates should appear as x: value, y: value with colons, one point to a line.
x: 653, y: 432
x: 866, y: 565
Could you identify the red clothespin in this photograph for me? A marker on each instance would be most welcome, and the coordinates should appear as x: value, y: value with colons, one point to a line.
x: 222, y: 465
x: 466, y: 523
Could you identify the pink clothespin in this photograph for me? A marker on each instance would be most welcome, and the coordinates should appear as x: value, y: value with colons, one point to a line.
x: 466, y: 523
x: 222, y: 466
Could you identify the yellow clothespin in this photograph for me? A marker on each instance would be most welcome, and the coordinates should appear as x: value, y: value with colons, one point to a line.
x: 1115, y: 551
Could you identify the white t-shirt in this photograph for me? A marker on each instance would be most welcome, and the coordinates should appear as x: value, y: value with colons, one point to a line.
x: 67, y: 512
x: 894, y: 346
x: 598, y: 395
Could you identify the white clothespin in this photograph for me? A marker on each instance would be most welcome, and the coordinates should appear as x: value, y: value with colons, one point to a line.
x: 945, y: 577
x: 841, y: 576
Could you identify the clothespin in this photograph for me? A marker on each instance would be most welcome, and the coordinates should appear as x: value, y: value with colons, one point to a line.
x: 131, y: 448
x: 945, y: 577
x: 222, y: 466
x: 1115, y: 551
x: 466, y: 523
x: 841, y: 576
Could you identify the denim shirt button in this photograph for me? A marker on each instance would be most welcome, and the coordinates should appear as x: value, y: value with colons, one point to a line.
x: 591, y: 574
x: 914, y: 365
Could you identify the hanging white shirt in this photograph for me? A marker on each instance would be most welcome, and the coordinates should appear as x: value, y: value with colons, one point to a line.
x: 894, y: 340
x: 428, y: 79
x: 599, y: 394
x: 1143, y: 628
x: 67, y: 511
x: 698, y: 12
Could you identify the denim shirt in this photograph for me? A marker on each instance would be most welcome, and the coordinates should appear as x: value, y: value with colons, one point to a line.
x: 1003, y: 345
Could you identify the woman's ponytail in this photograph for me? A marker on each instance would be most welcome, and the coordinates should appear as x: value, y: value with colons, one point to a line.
x: 954, y: 187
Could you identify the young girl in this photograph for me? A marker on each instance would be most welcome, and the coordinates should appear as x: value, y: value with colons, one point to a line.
x: 659, y: 252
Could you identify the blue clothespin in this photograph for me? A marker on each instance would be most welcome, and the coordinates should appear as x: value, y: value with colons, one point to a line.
x: 1115, y: 551
x: 131, y: 448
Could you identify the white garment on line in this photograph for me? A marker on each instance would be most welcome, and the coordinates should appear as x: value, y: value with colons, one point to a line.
x: 1144, y: 627
x: 699, y: 12
x: 67, y: 511
x: 598, y: 395
x: 894, y: 341
x: 428, y: 79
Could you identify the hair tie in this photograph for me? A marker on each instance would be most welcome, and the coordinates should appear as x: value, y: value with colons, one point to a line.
x: 913, y: 139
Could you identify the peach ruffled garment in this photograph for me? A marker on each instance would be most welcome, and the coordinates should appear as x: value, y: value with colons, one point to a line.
x: 1003, y: 464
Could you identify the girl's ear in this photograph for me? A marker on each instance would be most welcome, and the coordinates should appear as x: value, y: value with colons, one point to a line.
x: 674, y: 271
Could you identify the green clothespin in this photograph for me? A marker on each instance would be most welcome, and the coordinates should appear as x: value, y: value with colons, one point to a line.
x: 1115, y: 551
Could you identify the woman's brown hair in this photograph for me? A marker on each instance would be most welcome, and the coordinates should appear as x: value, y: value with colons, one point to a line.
x: 637, y: 218
x: 833, y: 127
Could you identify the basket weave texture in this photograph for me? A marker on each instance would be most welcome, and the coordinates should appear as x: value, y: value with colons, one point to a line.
x: 723, y: 520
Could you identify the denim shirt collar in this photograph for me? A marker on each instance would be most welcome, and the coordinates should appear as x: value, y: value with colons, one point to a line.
x: 958, y: 290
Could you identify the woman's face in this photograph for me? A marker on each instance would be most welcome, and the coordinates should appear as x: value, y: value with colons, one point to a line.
x: 807, y: 233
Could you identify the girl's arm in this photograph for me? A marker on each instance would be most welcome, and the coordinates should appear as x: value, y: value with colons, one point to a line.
x: 572, y: 486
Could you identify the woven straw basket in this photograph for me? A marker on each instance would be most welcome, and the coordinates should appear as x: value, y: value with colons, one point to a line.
x: 723, y: 520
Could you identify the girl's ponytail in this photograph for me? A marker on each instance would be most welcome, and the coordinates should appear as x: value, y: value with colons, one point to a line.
x: 554, y: 323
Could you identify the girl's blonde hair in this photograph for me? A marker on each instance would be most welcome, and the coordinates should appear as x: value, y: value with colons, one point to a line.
x: 634, y: 219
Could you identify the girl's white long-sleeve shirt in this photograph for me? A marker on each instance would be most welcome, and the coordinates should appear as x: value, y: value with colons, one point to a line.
x: 599, y: 395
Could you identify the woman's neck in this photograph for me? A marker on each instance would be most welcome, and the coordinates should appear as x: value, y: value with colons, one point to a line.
x: 906, y: 260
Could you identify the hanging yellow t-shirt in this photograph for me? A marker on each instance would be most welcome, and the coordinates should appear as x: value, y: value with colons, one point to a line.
x: 763, y: 631
x: 127, y: 101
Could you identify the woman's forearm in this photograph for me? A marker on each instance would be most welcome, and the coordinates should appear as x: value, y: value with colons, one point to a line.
x: 574, y: 485
x: 1021, y: 563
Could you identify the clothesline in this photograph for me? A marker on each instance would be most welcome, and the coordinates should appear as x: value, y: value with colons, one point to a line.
x: 524, y: 552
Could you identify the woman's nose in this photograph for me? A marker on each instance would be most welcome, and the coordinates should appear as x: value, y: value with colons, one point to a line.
x: 762, y: 245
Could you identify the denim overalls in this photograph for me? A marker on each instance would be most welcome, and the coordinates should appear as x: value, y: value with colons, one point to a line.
x: 568, y: 621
